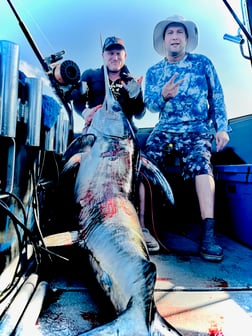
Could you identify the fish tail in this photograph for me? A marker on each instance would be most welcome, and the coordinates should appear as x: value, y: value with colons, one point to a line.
x: 132, y: 323
x: 129, y: 323
x: 159, y: 326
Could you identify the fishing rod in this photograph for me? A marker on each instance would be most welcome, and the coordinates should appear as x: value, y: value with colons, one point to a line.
x: 71, y: 70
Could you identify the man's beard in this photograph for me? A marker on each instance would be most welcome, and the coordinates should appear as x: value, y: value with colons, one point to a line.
x: 175, y: 53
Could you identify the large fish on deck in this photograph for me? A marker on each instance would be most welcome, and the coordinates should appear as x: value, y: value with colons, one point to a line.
x: 109, y: 227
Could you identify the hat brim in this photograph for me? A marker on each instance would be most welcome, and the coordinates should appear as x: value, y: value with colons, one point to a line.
x: 158, y: 41
x: 115, y: 46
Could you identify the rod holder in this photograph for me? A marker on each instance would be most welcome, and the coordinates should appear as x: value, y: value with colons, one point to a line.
x: 9, y: 64
x: 61, y: 134
x: 34, y: 111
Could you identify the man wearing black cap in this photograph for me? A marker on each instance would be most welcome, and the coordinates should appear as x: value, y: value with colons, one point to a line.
x: 126, y: 90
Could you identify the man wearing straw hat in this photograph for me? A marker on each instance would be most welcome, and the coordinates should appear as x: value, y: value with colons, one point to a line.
x: 185, y: 90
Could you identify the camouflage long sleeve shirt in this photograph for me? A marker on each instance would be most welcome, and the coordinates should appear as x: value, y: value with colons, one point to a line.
x: 199, y: 104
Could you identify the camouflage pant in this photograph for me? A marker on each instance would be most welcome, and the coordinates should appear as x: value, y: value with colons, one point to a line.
x: 192, y: 149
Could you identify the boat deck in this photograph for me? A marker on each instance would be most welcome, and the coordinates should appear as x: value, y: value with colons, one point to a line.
x: 199, y: 298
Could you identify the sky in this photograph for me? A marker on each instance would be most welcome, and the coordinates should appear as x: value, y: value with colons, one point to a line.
x: 78, y: 26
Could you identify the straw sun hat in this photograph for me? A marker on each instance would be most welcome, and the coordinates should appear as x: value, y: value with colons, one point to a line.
x: 158, y: 34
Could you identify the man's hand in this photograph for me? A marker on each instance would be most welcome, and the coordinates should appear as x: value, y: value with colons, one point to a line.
x: 88, y: 114
x: 133, y: 87
x: 170, y: 89
x: 221, y: 138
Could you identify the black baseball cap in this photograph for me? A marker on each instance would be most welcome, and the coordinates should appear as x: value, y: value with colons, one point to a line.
x: 113, y: 42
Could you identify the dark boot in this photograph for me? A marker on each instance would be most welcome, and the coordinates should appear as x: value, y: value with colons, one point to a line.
x: 209, y: 250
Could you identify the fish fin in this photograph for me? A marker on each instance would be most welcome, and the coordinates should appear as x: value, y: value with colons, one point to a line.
x: 72, y: 163
x: 153, y: 173
x: 159, y: 326
x: 78, y: 145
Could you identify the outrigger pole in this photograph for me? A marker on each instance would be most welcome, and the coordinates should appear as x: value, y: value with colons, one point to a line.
x: 241, y: 25
x: 47, y: 70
